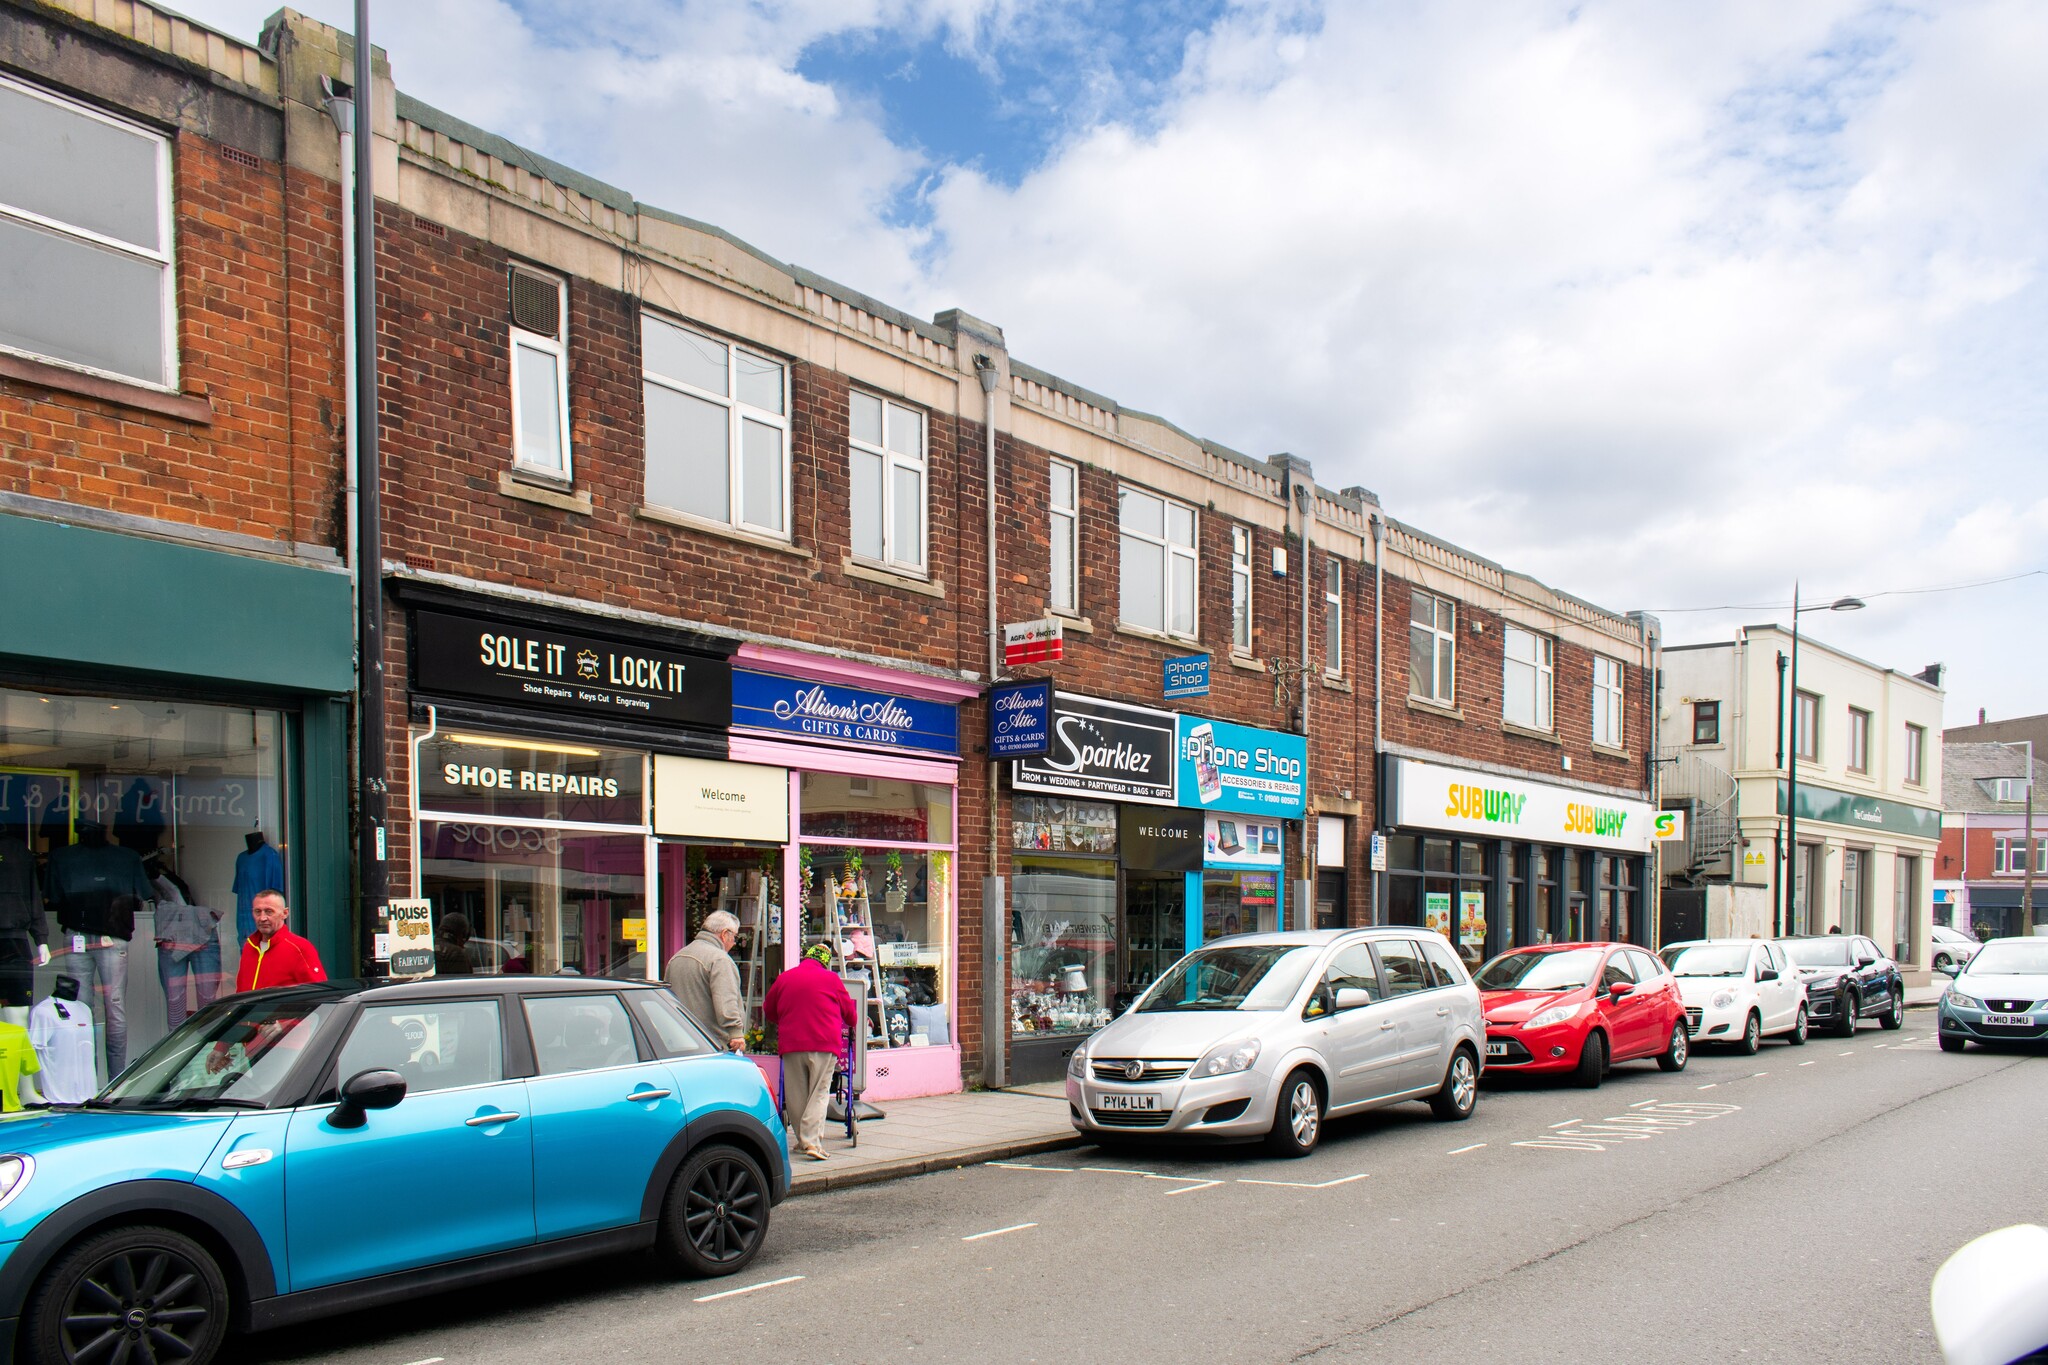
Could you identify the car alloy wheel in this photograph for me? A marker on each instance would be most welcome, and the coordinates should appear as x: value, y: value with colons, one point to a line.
x: 716, y: 1215
x: 1846, y: 1010
x: 1459, y: 1093
x: 141, y: 1293
x: 1298, y: 1118
x: 1797, y: 1037
x: 1943, y: 963
x: 1895, y: 1017
x: 1752, y: 1034
x: 1679, y: 1051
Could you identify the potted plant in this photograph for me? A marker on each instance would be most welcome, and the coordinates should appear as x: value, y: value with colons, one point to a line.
x: 894, y: 892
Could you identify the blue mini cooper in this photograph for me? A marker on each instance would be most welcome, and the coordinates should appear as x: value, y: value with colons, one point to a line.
x: 291, y: 1153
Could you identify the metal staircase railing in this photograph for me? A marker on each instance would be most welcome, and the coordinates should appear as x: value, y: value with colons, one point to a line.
x: 1708, y: 793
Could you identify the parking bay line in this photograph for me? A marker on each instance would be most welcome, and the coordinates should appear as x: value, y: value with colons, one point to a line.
x: 1189, y: 1183
x: 734, y: 1293
x: 1473, y: 1148
x: 1303, y: 1184
x: 997, y: 1232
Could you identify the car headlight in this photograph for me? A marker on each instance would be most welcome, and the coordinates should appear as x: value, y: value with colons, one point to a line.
x: 1556, y: 1014
x: 1077, y: 1061
x: 1722, y: 999
x: 1968, y: 1002
x: 14, y: 1174
x: 1227, y: 1058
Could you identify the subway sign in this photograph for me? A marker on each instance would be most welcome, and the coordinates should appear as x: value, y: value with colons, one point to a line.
x: 1431, y: 796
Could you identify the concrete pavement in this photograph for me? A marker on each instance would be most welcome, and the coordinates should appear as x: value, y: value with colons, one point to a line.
x: 1794, y: 1204
x: 920, y: 1136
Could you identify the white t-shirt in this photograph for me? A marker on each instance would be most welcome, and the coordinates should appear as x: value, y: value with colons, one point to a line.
x: 62, y: 1033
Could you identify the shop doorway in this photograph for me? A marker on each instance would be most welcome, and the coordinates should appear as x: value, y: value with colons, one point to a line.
x: 1155, y: 930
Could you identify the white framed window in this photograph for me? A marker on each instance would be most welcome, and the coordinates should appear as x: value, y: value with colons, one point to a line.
x: 1064, y: 505
x: 1158, y: 563
x: 1806, y: 726
x: 540, y: 372
x: 1859, y: 740
x: 1607, y: 676
x: 85, y: 235
x: 887, y: 497
x: 2011, y: 789
x: 717, y: 428
x: 1916, y: 755
x: 1241, y: 590
x: 1432, y: 647
x: 1528, y: 679
x: 2009, y: 855
x: 1333, y: 616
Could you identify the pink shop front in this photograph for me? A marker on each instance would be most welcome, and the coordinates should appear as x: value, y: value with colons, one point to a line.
x: 833, y: 820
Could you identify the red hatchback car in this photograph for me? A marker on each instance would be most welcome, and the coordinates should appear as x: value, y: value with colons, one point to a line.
x: 1579, y: 1007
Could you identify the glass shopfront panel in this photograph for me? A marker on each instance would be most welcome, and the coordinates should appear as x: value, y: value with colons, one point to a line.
x: 134, y: 836
x: 1063, y: 947
x: 743, y: 880
x: 509, y: 899
x: 1239, y: 903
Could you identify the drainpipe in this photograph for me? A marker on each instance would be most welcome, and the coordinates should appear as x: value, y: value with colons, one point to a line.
x: 342, y: 110
x: 1304, y: 887
x: 1379, y: 620
x: 373, y: 882
x: 995, y: 978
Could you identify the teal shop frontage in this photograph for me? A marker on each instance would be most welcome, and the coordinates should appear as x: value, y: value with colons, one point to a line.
x: 173, y: 739
x: 1140, y: 835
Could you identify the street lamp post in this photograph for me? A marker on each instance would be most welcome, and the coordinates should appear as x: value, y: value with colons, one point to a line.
x: 2027, y: 845
x: 1787, y: 875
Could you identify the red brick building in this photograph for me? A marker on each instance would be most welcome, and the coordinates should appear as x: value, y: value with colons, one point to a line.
x: 691, y: 607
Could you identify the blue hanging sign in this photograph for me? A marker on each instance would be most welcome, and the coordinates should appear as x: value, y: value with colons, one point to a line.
x: 1020, y: 719
x: 1237, y: 768
x: 1187, y: 676
x: 843, y: 715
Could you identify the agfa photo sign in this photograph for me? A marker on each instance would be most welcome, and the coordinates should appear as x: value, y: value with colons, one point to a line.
x: 412, y: 938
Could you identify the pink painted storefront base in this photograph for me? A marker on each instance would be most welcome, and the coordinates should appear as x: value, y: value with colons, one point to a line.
x: 901, y: 1073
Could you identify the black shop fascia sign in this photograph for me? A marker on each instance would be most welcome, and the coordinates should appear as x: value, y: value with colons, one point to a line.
x: 1159, y: 839
x: 543, y: 665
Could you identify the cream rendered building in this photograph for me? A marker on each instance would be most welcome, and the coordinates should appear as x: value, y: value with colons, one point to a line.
x: 1868, y: 795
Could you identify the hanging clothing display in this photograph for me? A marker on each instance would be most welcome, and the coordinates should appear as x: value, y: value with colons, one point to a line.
x: 17, y: 1059
x: 21, y: 893
x: 61, y: 1031
x: 260, y: 868
x: 96, y: 887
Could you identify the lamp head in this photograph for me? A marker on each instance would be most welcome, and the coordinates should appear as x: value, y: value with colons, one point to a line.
x: 1847, y: 604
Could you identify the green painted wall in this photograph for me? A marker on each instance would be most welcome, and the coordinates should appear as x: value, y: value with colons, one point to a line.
x: 99, y: 599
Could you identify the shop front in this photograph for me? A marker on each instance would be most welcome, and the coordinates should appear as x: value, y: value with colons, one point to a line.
x: 865, y: 761
x: 1141, y: 834
x: 1494, y: 862
x: 173, y: 732
x: 537, y: 742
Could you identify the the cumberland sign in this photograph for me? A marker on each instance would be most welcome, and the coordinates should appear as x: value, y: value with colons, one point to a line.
x: 1106, y: 749
x: 1431, y: 796
x: 1830, y: 807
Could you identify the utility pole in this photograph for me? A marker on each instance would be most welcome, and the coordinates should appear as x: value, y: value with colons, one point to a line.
x: 372, y: 883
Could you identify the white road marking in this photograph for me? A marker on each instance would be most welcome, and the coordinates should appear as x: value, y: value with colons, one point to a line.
x: 1303, y: 1184
x: 1708, y: 1086
x: 1850, y: 1053
x: 1188, y: 1189
x: 1807, y: 1064
x: 1473, y: 1148
x: 1566, y: 1124
x: 1192, y: 1182
x: 1754, y: 1075
x: 1639, y: 1124
x: 430, y: 1360
x: 1063, y: 1170
x: 997, y: 1232
x: 732, y: 1293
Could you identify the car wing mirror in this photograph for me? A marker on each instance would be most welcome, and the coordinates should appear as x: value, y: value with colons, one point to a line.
x: 1351, y: 998
x: 1618, y: 989
x: 366, y: 1090
x: 1949, y: 969
x: 1990, y: 1299
x: 1767, y: 974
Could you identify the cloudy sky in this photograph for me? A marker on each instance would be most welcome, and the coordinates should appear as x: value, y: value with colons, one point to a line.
x: 1667, y: 305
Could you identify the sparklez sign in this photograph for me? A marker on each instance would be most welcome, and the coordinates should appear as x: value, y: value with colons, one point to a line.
x: 1239, y: 768
x: 1106, y: 749
x: 843, y: 715
x: 567, y: 671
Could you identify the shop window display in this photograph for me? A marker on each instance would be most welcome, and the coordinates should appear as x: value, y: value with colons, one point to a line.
x: 1063, y: 914
x: 743, y: 880
x: 1239, y: 903
x: 131, y: 834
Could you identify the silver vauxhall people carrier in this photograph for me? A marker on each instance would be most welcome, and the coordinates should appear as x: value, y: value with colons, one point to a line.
x: 1263, y: 1036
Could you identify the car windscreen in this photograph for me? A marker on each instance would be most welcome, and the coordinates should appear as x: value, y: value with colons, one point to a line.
x: 1566, y: 970
x: 232, y: 1055
x: 2010, y: 959
x: 1818, y: 952
x: 1252, y: 976
x: 1708, y: 959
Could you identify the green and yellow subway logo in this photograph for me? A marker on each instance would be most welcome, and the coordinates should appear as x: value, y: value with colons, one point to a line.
x: 1595, y: 820
x: 1481, y: 803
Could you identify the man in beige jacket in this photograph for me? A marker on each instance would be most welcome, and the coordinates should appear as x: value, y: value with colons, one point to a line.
x: 706, y: 983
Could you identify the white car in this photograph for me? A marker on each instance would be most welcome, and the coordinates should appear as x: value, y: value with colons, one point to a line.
x: 1952, y: 948
x: 1738, y: 990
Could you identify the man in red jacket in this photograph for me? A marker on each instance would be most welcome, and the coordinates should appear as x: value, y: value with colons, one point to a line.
x: 274, y: 955
x: 811, y: 1011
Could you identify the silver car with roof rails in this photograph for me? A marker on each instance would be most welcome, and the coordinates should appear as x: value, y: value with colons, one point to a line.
x: 1264, y: 1036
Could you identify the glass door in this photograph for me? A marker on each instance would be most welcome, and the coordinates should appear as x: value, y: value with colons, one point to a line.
x: 1155, y: 930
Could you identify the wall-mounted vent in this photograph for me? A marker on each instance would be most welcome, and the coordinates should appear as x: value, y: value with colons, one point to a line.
x: 242, y: 158
x: 431, y: 228
x: 536, y: 304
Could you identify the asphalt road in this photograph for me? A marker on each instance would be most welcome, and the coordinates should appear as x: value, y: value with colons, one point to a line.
x: 1791, y: 1205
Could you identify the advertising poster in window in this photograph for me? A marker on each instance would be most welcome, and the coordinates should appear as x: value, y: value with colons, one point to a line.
x: 1471, y: 919
x: 1238, y: 841
x: 1436, y: 912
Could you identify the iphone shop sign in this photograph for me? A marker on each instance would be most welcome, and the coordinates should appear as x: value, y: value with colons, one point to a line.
x: 1229, y: 767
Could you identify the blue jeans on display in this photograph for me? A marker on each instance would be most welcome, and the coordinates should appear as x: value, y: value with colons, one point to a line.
x: 203, y: 967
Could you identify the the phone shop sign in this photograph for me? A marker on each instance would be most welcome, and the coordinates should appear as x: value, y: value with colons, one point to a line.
x: 1238, y: 768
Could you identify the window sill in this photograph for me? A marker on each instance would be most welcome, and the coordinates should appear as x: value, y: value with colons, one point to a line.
x: 530, y: 490
x: 1248, y: 663
x: 888, y: 578
x: 1139, y: 632
x: 669, y: 517
x: 1508, y: 727
x: 184, y: 407
x: 1337, y: 684
x: 1609, y: 751
x: 1075, y: 623
x: 1435, y: 708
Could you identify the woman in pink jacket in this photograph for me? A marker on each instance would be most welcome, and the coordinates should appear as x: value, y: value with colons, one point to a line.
x: 812, y: 1012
